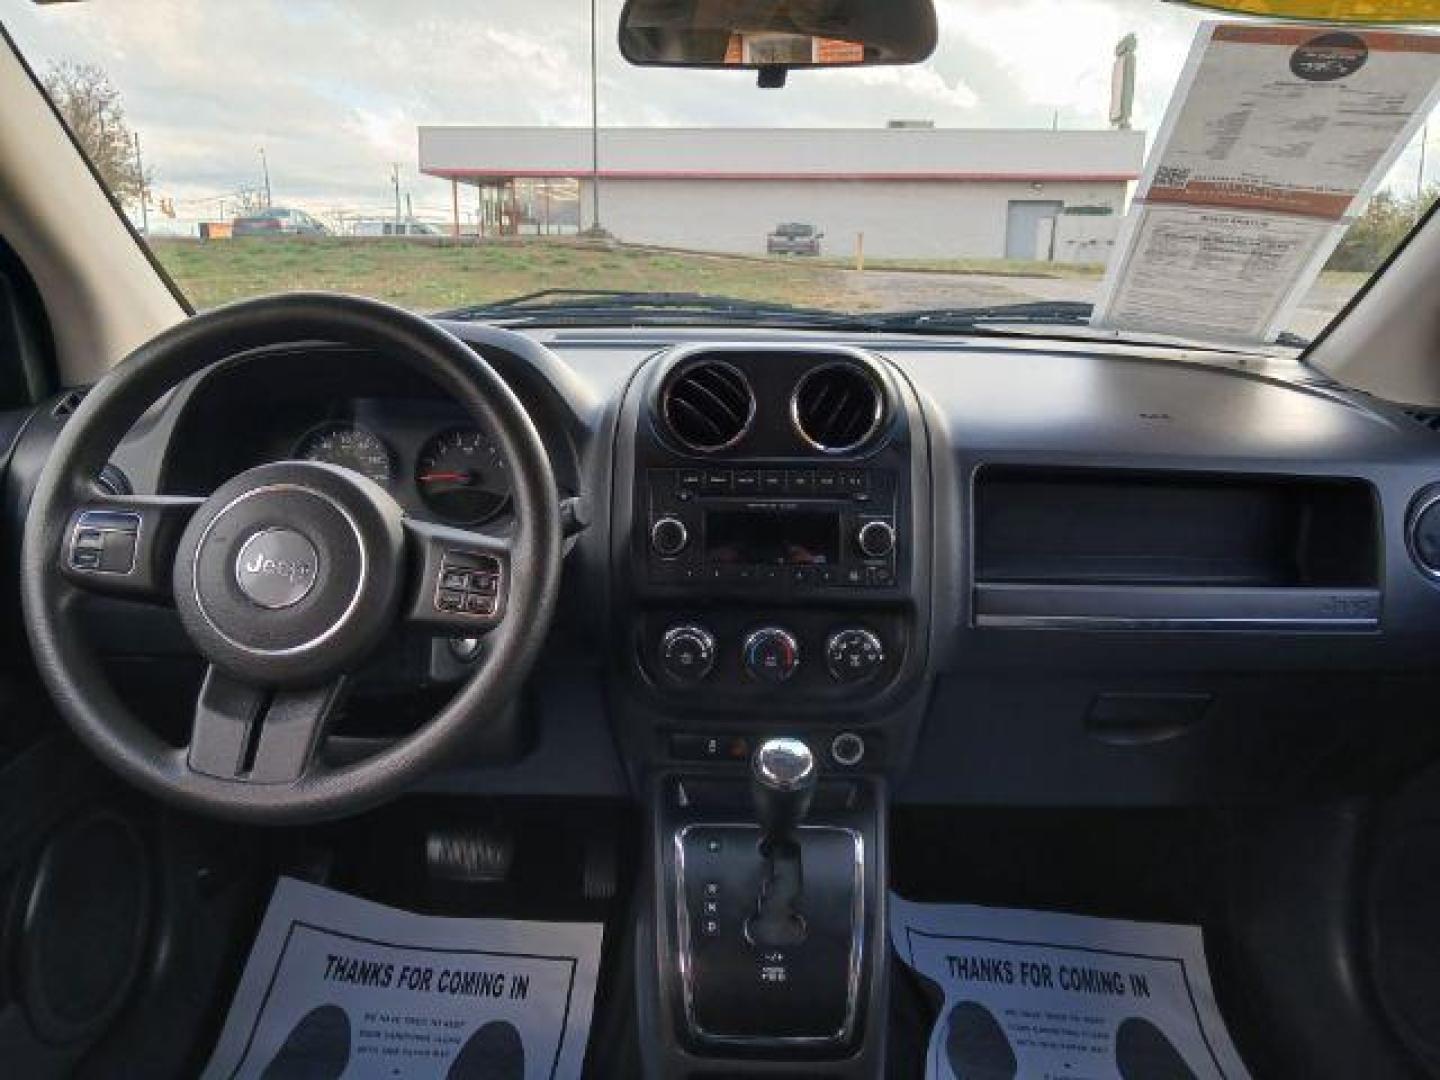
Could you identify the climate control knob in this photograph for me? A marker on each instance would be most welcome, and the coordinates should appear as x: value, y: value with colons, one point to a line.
x: 669, y: 537
x: 853, y: 655
x: 687, y: 653
x: 771, y: 655
x: 875, y: 539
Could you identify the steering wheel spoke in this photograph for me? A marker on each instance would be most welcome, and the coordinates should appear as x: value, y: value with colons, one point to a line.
x: 125, y: 545
x: 258, y: 735
x: 461, y: 579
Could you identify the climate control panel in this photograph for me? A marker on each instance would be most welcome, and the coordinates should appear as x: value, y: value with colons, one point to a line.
x: 756, y: 659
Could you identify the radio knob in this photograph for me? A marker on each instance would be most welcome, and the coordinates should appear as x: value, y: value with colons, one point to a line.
x: 669, y: 537
x: 853, y: 655
x: 875, y: 539
x: 771, y: 655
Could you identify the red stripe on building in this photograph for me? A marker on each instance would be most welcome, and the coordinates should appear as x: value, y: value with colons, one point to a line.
x: 679, y: 174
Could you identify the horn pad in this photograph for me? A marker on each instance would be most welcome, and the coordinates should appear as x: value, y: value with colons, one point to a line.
x: 289, y: 573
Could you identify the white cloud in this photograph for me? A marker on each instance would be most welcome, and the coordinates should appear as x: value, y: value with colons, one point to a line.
x: 925, y: 83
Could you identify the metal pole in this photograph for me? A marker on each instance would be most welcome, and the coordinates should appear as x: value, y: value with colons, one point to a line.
x: 265, y: 170
x: 1420, y: 177
x: 454, y: 209
x: 594, y: 119
x: 140, y: 175
x: 395, y: 179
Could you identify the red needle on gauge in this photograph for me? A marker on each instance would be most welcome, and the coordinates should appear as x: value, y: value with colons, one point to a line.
x: 437, y: 477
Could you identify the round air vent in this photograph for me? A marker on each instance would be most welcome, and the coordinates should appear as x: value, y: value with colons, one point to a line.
x: 708, y: 406
x: 837, y: 407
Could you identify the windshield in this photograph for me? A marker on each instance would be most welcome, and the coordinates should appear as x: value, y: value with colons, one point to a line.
x: 444, y: 156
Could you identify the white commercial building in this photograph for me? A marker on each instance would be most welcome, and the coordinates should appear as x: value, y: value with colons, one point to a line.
x: 911, y: 192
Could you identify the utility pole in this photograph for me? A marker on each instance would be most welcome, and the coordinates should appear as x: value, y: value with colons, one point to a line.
x: 265, y: 172
x: 594, y: 120
x: 140, y: 175
x: 395, y: 180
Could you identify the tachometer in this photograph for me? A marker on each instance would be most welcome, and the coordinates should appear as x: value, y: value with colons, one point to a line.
x: 350, y: 447
x: 463, y: 477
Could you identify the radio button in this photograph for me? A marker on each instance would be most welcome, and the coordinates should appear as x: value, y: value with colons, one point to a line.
x: 827, y: 482
x: 669, y: 537
x: 717, y: 481
x: 879, y: 577
x: 690, y: 480
x: 747, y: 482
x: 771, y: 655
x: 772, y: 482
x: 800, y: 483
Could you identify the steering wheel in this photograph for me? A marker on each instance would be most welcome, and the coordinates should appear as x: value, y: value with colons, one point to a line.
x: 286, y: 578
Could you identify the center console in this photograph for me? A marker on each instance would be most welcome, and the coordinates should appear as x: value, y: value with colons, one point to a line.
x: 771, y: 555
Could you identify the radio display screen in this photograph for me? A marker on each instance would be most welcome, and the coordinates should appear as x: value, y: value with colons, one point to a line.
x: 758, y: 538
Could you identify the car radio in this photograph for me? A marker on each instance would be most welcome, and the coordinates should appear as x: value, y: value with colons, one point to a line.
x: 779, y: 528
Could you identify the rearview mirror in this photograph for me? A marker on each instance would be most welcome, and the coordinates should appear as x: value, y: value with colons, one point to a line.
x: 774, y: 36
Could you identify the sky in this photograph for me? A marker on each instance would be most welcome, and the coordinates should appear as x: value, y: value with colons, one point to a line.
x: 334, y: 91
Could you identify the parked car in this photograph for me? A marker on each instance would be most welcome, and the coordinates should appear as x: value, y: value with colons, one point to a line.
x: 279, y: 221
x: 390, y: 227
x: 793, y: 238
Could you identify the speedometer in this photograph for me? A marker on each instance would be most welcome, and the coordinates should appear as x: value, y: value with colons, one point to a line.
x: 462, y: 476
x: 351, y: 447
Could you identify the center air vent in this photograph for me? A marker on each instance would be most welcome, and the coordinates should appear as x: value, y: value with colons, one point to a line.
x: 708, y: 406
x: 837, y: 407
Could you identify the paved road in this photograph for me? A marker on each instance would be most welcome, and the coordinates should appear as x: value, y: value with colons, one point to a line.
x: 885, y: 290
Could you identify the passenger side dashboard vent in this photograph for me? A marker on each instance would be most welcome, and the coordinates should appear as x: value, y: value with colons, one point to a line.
x: 708, y: 406
x: 837, y: 407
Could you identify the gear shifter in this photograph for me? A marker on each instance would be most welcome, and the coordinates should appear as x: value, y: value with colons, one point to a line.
x: 782, y: 783
x: 782, y: 775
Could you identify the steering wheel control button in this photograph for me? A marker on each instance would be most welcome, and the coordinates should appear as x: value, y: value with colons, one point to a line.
x: 468, y: 584
x: 853, y: 655
x: 687, y: 653
x: 277, y: 568
x: 875, y: 539
x: 105, y: 542
x: 847, y: 749
x: 771, y: 655
x: 669, y: 537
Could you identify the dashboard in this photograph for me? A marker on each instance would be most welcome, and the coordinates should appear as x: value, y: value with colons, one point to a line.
x: 991, y: 571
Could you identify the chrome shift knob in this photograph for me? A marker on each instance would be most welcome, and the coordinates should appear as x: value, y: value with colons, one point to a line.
x: 783, y: 777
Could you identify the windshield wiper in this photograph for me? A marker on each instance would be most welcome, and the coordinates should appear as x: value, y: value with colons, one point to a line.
x: 1051, y: 312
x: 1038, y: 313
x: 566, y: 305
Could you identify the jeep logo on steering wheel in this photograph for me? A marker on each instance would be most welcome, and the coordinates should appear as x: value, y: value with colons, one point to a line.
x: 276, y: 568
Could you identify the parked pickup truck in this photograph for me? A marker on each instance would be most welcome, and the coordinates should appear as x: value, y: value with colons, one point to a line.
x: 793, y: 238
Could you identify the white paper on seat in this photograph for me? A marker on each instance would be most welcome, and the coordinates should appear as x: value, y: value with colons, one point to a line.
x: 1034, y: 994
x: 336, y: 986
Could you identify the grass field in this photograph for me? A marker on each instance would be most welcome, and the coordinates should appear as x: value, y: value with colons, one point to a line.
x: 431, y: 276
x: 427, y: 276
